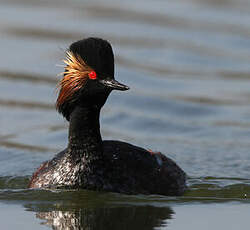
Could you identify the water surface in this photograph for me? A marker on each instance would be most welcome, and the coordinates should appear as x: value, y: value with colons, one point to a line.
x: 187, y: 64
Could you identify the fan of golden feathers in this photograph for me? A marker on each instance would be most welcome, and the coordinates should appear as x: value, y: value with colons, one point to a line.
x: 75, y: 75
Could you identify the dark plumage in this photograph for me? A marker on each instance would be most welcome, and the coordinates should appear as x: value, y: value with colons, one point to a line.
x: 88, y: 162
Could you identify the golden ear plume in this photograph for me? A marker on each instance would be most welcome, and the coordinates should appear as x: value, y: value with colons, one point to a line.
x: 74, y: 78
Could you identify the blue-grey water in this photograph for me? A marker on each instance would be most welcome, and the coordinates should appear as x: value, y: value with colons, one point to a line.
x: 187, y: 63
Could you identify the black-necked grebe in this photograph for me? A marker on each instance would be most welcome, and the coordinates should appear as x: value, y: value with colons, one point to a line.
x: 88, y: 162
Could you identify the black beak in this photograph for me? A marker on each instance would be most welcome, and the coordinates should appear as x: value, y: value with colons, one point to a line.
x: 113, y: 84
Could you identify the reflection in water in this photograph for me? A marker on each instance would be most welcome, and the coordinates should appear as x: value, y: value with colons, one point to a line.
x: 142, y: 217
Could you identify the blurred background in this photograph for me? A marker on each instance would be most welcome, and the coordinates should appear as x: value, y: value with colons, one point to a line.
x: 186, y: 62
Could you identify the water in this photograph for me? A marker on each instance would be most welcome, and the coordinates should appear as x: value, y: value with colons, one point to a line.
x: 187, y: 64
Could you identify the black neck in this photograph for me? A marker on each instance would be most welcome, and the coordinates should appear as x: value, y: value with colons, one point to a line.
x: 84, y: 131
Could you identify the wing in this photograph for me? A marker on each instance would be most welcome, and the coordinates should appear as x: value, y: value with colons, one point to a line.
x: 134, y: 170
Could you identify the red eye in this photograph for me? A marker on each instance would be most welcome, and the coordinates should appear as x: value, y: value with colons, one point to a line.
x: 92, y: 75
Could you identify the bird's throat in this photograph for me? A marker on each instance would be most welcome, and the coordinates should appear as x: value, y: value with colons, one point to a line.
x: 84, y: 131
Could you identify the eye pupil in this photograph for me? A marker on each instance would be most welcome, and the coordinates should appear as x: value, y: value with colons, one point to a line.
x: 92, y: 75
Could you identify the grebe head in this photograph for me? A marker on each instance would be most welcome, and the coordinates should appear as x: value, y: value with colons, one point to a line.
x: 88, y: 78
